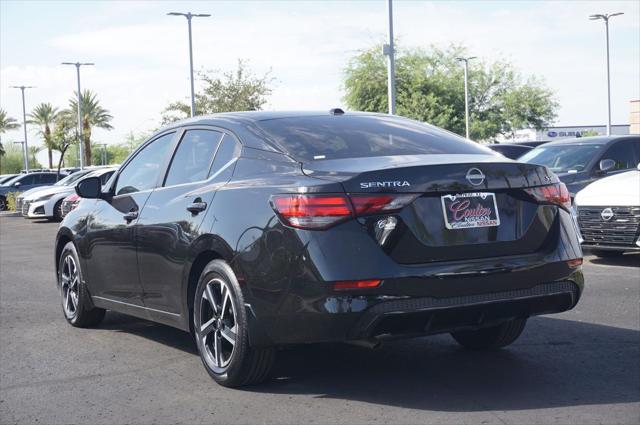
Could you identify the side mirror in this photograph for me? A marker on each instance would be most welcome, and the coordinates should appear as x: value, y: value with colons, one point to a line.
x: 17, y: 184
x: 607, y: 164
x: 89, y: 188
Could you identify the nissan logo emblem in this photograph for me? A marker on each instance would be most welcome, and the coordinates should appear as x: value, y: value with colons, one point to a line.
x: 606, y: 214
x: 475, y: 176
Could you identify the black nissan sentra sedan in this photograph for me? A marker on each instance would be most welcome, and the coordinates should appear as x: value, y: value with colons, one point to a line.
x: 257, y: 230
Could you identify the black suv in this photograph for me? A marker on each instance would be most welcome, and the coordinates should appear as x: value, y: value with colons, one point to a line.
x: 581, y: 161
x: 258, y: 230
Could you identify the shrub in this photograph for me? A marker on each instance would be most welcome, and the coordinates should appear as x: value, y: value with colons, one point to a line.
x: 11, y: 200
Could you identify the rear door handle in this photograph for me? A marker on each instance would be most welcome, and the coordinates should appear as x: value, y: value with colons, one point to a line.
x: 197, y: 207
x: 130, y: 216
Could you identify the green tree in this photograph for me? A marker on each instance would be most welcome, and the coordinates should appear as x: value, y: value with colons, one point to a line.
x: 239, y: 90
x: 13, y: 159
x: 64, y: 136
x: 430, y: 88
x: 44, y: 116
x: 93, y: 115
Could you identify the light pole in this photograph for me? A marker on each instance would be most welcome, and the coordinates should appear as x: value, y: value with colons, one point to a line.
x: 25, y: 146
x: 388, y: 50
x: 190, y: 15
x: 80, y: 141
x: 466, y: 91
x: 104, y: 153
x: 26, y: 160
x: 605, y: 17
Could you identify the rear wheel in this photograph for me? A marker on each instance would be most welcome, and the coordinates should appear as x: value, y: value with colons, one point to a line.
x: 76, y: 303
x: 221, y: 331
x: 493, y: 337
x: 607, y: 254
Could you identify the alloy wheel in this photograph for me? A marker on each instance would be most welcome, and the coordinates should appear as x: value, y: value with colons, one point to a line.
x: 218, y: 328
x: 69, y: 277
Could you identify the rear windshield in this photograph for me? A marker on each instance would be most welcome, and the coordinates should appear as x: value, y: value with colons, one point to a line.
x: 320, y: 138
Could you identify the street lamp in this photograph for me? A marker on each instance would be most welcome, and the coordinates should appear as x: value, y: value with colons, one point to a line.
x: 80, y: 141
x: 24, y: 125
x: 605, y: 17
x: 466, y: 91
x: 190, y: 15
x: 388, y: 50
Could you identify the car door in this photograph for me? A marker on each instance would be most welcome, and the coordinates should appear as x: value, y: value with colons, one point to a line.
x: 170, y: 221
x: 110, y: 246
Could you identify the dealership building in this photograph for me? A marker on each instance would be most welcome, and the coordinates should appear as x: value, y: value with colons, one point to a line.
x: 571, y: 131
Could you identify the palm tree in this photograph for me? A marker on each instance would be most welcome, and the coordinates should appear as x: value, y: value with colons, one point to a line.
x: 6, y: 122
x: 44, y: 115
x: 93, y: 115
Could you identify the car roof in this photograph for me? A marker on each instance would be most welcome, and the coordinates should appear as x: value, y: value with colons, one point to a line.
x: 596, y: 140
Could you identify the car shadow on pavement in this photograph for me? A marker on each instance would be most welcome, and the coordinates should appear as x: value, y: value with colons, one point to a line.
x: 166, y: 335
x: 555, y: 363
x: 626, y: 260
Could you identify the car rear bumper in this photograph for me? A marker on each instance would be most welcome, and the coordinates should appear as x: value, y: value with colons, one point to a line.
x: 341, y: 317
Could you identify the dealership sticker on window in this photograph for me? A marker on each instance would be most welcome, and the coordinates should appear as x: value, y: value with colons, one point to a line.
x: 470, y: 210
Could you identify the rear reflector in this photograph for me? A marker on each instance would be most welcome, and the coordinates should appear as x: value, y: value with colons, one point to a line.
x: 324, y: 210
x: 574, y: 263
x: 356, y: 284
x: 556, y: 194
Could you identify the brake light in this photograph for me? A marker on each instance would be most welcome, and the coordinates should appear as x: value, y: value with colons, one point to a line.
x: 556, y: 194
x: 321, y: 211
x: 312, y: 211
x: 576, y: 262
x: 356, y: 284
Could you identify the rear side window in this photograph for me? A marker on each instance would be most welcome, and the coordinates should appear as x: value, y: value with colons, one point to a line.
x: 29, y: 179
x: 624, y: 154
x: 336, y: 137
x: 142, y: 172
x: 193, y: 157
x: 48, y: 178
x: 229, y: 149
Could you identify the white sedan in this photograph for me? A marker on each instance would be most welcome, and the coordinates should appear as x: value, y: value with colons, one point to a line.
x: 47, y: 203
x: 609, y: 214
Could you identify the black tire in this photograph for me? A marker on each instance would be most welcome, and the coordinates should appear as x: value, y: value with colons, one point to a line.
x: 57, y: 211
x: 3, y: 203
x: 83, y: 314
x: 607, y: 254
x: 491, y: 338
x: 237, y: 364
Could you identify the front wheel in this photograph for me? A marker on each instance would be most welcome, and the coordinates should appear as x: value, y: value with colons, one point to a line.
x: 76, y: 303
x: 57, y: 211
x: 493, y: 337
x: 221, y: 331
x: 3, y: 203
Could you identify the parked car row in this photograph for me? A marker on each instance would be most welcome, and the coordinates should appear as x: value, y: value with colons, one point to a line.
x: 39, y: 198
x: 46, y: 202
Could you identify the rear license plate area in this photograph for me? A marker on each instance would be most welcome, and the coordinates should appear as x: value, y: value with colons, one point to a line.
x: 470, y: 210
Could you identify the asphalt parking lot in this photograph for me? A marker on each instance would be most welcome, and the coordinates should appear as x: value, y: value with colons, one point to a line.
x: 579, y: 367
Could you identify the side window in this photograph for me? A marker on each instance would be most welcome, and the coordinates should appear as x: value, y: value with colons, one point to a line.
x: 229, y: 149
x: 105, y: 177
x: 624, y: 154
x: 29, y: 179
x: 193, y: 157
x: 143, y: 170
x: 48, y: 178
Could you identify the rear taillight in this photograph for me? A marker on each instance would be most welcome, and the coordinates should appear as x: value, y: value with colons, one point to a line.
x: 556, y: 194
x: 356, y: 284
x: 323, y: 211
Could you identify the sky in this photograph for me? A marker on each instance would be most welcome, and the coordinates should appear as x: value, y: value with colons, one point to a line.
x: 141, y: 54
